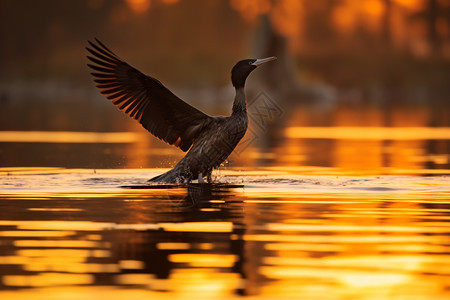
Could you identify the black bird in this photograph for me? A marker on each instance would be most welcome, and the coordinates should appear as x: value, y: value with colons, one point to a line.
x: 210, y: 140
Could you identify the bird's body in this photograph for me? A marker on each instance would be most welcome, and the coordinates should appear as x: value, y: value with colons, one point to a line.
x: 210, y: 140
x: 214, y: 144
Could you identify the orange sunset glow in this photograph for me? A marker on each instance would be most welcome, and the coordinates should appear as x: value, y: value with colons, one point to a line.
x: 225, y: 149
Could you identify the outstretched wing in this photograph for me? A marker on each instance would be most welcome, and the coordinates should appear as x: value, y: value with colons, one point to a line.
x: 145, y: 99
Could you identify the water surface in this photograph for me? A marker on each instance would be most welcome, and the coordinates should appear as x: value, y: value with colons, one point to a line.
x: 270, y: 234
x: 346, y: 203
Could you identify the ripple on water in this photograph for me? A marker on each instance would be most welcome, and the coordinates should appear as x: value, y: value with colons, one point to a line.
x: 85, y: 180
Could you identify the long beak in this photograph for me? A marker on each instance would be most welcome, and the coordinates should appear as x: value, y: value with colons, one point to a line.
x: 260, y: 61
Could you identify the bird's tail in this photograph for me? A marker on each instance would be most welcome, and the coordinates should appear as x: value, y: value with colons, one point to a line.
x: 171, y: 176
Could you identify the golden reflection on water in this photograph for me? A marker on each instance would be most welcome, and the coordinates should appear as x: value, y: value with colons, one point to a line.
x: 47, y: 279
x: 369, y: 133
x: 69, y: 137
x: 349, y: 144
x: 278, y: 235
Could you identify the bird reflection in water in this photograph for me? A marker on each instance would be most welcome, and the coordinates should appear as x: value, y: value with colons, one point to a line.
x: 206, y: 195
x: 208, y: 233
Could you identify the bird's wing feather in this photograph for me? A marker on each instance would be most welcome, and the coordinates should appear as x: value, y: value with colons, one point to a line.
x: 145, y: 99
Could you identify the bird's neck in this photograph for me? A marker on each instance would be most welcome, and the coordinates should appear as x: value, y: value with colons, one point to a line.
x: 239, y: 104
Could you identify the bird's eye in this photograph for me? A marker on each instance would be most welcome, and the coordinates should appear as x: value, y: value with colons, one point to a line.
x: 250, y: 62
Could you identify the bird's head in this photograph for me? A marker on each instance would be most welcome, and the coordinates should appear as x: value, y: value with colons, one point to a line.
x: 244, y: 67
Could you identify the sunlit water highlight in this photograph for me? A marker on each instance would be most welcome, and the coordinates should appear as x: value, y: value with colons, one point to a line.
x: 267, y: 233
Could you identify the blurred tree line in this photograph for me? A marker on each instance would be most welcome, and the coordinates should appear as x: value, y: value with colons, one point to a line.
x: 364, y: 48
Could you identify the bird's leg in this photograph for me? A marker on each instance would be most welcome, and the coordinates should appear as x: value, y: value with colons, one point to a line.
x: 200, y: 178
x: 208, y: 177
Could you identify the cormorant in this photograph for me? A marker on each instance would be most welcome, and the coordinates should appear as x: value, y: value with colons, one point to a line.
x: 210, y: 140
